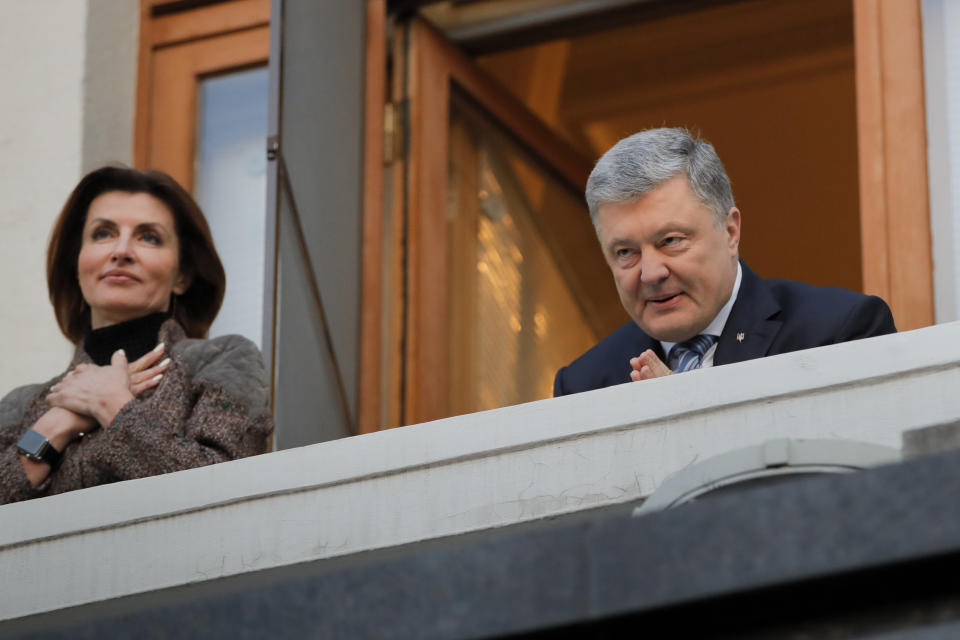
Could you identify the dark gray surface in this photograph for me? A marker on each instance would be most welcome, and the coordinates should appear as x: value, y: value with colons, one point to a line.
x: 930, y: 440
x: 321, y: 140
x: 308, y: 408
x: 852, y: 556
x: 926, y: 632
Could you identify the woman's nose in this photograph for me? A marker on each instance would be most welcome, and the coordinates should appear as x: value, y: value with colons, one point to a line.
x: 122, y: 250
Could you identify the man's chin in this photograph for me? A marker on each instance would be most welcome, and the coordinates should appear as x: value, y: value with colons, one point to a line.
x: 671, y: 332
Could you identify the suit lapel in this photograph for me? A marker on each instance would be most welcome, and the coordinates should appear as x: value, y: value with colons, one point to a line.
x: 657, y: 349
x: 749, y: 331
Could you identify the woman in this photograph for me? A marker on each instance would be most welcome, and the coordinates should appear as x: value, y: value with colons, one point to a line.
x: 135, y: 282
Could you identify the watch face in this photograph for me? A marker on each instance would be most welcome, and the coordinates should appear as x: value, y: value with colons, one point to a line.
x: 32, y: 444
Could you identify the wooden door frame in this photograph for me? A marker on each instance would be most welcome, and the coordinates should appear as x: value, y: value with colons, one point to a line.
x: 433, y: 68
x: 370, y: 394
x: 894, y: 186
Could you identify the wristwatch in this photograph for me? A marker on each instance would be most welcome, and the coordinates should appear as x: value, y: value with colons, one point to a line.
x: 36, y: 447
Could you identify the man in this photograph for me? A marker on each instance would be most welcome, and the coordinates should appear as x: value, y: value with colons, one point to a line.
x: 661, y: 203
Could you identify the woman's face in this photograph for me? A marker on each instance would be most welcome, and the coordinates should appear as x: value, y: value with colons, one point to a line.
x: 129, y: 262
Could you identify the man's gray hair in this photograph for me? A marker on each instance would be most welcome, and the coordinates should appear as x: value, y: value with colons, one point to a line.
x: 642, y: 162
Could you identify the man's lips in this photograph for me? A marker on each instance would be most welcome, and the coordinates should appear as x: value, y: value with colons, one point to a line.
x: 663, y: 297
x: 664, y: 300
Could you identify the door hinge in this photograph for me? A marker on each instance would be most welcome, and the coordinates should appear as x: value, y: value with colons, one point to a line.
x: 394, y: 128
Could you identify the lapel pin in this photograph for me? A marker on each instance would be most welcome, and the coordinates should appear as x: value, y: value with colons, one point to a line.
x: 740, y: 337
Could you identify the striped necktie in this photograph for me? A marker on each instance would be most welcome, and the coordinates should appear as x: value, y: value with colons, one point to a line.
x: 688, y: 355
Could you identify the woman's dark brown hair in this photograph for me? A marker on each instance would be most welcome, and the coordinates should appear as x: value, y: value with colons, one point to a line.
x: 195, y: 309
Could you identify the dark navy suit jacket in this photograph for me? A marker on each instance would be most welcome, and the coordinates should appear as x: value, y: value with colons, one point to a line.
x: 775, y: 316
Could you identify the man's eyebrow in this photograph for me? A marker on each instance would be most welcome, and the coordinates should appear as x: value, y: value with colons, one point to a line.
x: 673, y: 225
x: 617, y: 241
x: 665, y: 228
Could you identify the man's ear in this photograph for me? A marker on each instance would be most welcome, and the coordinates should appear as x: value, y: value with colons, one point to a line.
x: 182, y: 284
x: 732, y: 226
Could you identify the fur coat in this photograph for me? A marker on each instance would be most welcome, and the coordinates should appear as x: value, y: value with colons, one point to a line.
x: 212, y: 405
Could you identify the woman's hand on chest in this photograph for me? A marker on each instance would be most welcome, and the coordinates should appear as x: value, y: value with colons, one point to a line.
x: 146, y: 372
x: 98, y: 392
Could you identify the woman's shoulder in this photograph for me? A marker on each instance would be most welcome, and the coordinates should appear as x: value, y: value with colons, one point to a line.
x: 231, y: 362
x: 222, y: 354
x: 15, y: 403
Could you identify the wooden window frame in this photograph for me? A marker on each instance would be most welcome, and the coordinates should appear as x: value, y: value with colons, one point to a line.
x: 206, y: 38
x: 243, y: 27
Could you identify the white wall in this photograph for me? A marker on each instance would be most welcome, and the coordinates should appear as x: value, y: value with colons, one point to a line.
x: 67, y: 105
x: 109, y: 82
x: 941, y: 52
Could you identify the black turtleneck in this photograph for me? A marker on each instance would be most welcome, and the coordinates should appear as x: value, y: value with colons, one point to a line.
x: 136, y: 337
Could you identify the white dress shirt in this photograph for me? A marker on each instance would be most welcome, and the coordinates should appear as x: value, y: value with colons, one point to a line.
x: 715, y: 328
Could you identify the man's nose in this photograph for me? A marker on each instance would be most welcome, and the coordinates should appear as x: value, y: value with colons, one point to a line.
x: 653, y: 269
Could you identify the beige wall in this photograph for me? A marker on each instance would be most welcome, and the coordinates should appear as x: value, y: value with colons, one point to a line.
x: 67, y: 68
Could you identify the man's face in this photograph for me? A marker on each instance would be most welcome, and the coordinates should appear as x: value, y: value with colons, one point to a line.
x: 674, y: 268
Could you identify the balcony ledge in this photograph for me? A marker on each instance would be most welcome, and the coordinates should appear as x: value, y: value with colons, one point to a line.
x: 462, y: 474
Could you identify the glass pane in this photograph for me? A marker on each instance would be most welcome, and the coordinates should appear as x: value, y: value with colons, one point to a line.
x: 514, y: 320
x: 231, y: 188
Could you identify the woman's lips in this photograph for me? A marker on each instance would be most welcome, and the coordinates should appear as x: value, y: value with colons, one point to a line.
x: 119, y: 277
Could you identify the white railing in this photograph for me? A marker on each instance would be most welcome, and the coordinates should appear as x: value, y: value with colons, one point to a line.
x: 461, y: 474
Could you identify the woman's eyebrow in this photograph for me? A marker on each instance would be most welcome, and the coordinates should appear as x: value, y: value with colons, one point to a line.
x: 151, y: 226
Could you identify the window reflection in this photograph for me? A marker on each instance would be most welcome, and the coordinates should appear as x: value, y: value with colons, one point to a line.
x: 231, y: 186
x: 514, y: 320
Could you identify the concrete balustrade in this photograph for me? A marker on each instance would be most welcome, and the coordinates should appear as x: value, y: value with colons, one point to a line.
x: 462, y: 474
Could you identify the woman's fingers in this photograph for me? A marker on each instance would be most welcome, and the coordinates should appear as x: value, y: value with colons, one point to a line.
x: 149, y: 383
x: 58, y: 397
x: 153, y: 375
x: 146, y: 374
x: 80, y: 368
x: 144, y: 362
x: 143, y: 373
x: 119, y: 359
x: 95, y: 391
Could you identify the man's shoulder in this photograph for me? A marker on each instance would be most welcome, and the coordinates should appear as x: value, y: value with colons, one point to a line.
x: 605, y: 364
x: 798, y: 288
x: 815, y: 316
x: 804, y: 299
